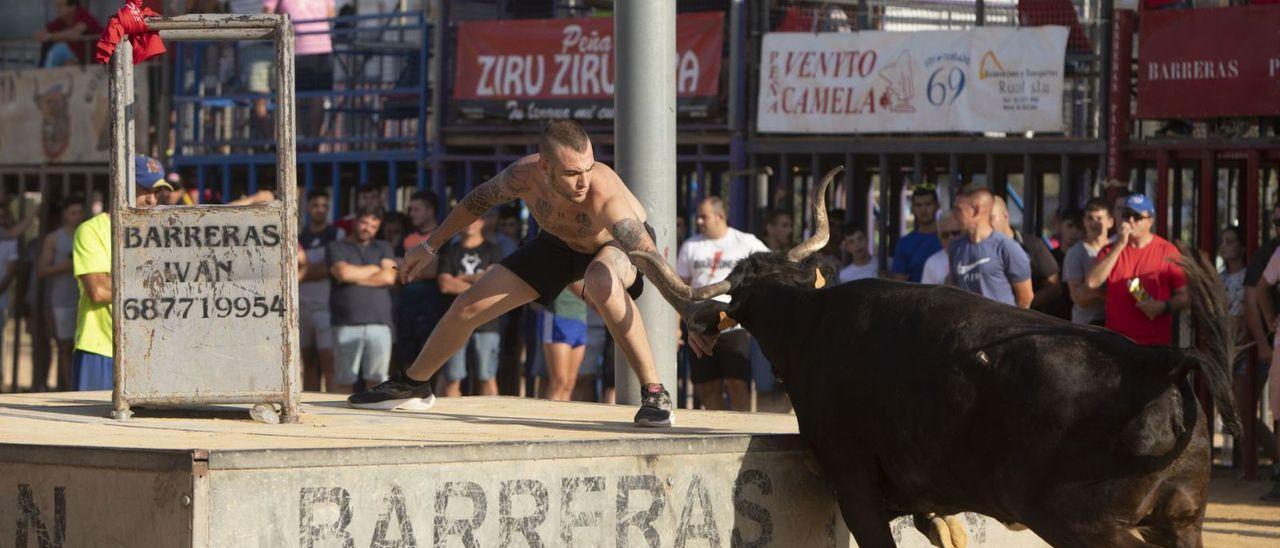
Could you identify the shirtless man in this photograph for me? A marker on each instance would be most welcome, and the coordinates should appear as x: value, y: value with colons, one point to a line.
x: 589, y: 221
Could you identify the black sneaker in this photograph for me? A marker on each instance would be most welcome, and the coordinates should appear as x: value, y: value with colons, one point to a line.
x: 655, y: 407
x: 395, y: 394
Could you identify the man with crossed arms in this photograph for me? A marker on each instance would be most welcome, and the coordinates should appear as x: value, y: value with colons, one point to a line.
x: 589, y: 221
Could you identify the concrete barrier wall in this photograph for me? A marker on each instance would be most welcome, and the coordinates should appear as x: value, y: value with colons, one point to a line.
x: 45, y: 506
x: 265, y: 499
x: 762, y: 499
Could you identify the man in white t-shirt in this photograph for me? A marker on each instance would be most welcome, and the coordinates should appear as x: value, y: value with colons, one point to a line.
x: 937, y: 267
x: 862, y: 264
x: 703, y: 260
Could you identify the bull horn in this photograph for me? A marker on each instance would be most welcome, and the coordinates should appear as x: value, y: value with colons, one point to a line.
x: 822, y: 229
x: 678, y: 293
x: 712, y: 291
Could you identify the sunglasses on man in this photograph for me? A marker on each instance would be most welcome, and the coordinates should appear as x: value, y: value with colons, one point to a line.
x: 949, y: 233
x: 1131, y: 215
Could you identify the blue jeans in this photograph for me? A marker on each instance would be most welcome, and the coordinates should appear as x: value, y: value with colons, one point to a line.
x: 59, y: 55
x: 361, y: 350
x: 486, y: 345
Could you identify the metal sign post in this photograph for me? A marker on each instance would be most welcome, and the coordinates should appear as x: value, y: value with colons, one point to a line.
x: 204, y: 302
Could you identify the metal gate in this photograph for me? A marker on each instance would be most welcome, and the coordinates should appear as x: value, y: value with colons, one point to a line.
x: 205, y: 297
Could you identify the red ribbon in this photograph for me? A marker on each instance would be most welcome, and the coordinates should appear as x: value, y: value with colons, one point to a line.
x: 130, y: 21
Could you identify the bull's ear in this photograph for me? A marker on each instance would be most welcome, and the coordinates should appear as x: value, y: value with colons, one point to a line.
x: 726, y: 322
x: 818, y: 280
x: 705, y: 316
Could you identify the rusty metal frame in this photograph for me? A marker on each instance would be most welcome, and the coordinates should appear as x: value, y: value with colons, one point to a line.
x: 279, y: 29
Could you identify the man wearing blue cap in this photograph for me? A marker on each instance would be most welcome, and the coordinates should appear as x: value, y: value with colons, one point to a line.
x: 92, y: 364
x: 1144, y: 287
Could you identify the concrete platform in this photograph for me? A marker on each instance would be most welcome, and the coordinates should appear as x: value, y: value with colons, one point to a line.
x: 472, y: 472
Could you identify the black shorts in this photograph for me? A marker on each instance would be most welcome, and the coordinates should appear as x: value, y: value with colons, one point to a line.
x: 549, y: 265
x: 730, y: 359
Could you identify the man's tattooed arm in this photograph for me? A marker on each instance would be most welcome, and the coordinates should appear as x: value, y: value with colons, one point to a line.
x: 502, y: 188
x: 631, y: 235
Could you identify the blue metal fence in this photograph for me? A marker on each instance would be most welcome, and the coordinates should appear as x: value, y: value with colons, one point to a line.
x: 374, y: 114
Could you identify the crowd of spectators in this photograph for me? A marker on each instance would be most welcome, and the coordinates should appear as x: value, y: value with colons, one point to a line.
x: 1105, y: 266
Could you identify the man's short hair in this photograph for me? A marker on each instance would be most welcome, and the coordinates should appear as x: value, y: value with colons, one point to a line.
x: 925, y: 189
x: 426, y: 197
x: 317, y: 194
x: 718, y: 205
x: 1073, y: 215
x: 1238, y: 231
x: 1097, y: 203
x: 563, y: 133
x: 375, y: 212
x: 855, y: 227
x: 74, y: 199
x: 775, y: 214
x: 509, y: 212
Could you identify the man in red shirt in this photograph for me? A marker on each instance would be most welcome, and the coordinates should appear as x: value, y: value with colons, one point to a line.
x: 70, y: 32
x: 1144, y: 286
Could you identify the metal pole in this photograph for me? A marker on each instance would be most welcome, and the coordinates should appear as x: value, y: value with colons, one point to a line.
x: 122, y: 195
x: 738, y: 186
x: 287, y: 187
x: 645, y: 133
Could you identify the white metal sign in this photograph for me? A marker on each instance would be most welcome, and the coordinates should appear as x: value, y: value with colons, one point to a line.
x: 984, y: 79
x: 203, y: 300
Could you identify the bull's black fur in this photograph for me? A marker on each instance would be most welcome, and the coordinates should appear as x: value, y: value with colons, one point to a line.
x: 921, y: 399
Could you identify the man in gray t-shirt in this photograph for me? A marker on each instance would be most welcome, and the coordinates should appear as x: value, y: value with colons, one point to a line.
x: 984, y: 261
x: 1089, y: 304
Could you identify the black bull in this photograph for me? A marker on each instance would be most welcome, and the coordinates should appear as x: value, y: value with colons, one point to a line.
x: 924, y: 399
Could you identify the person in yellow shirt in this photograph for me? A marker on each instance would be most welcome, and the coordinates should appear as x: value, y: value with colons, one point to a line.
x: 92, y: 364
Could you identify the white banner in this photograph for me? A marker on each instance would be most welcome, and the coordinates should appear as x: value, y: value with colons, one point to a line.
x: 62, y: 115
x: 984, y: 79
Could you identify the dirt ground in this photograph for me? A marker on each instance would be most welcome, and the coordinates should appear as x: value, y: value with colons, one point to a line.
x: 1236, y: 518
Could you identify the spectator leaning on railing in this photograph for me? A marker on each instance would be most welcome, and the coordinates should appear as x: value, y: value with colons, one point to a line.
x: 69, y: 34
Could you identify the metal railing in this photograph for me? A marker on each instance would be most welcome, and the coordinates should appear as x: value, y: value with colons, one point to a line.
x: 28, y: 53
x: 377, y: 100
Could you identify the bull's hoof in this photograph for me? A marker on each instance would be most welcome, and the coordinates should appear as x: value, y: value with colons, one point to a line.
x: 959, y: 538
x: 940, y: 533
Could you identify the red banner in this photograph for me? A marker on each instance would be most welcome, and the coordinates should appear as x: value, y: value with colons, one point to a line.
x: 530, y: 69
x: 1206, y: 63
